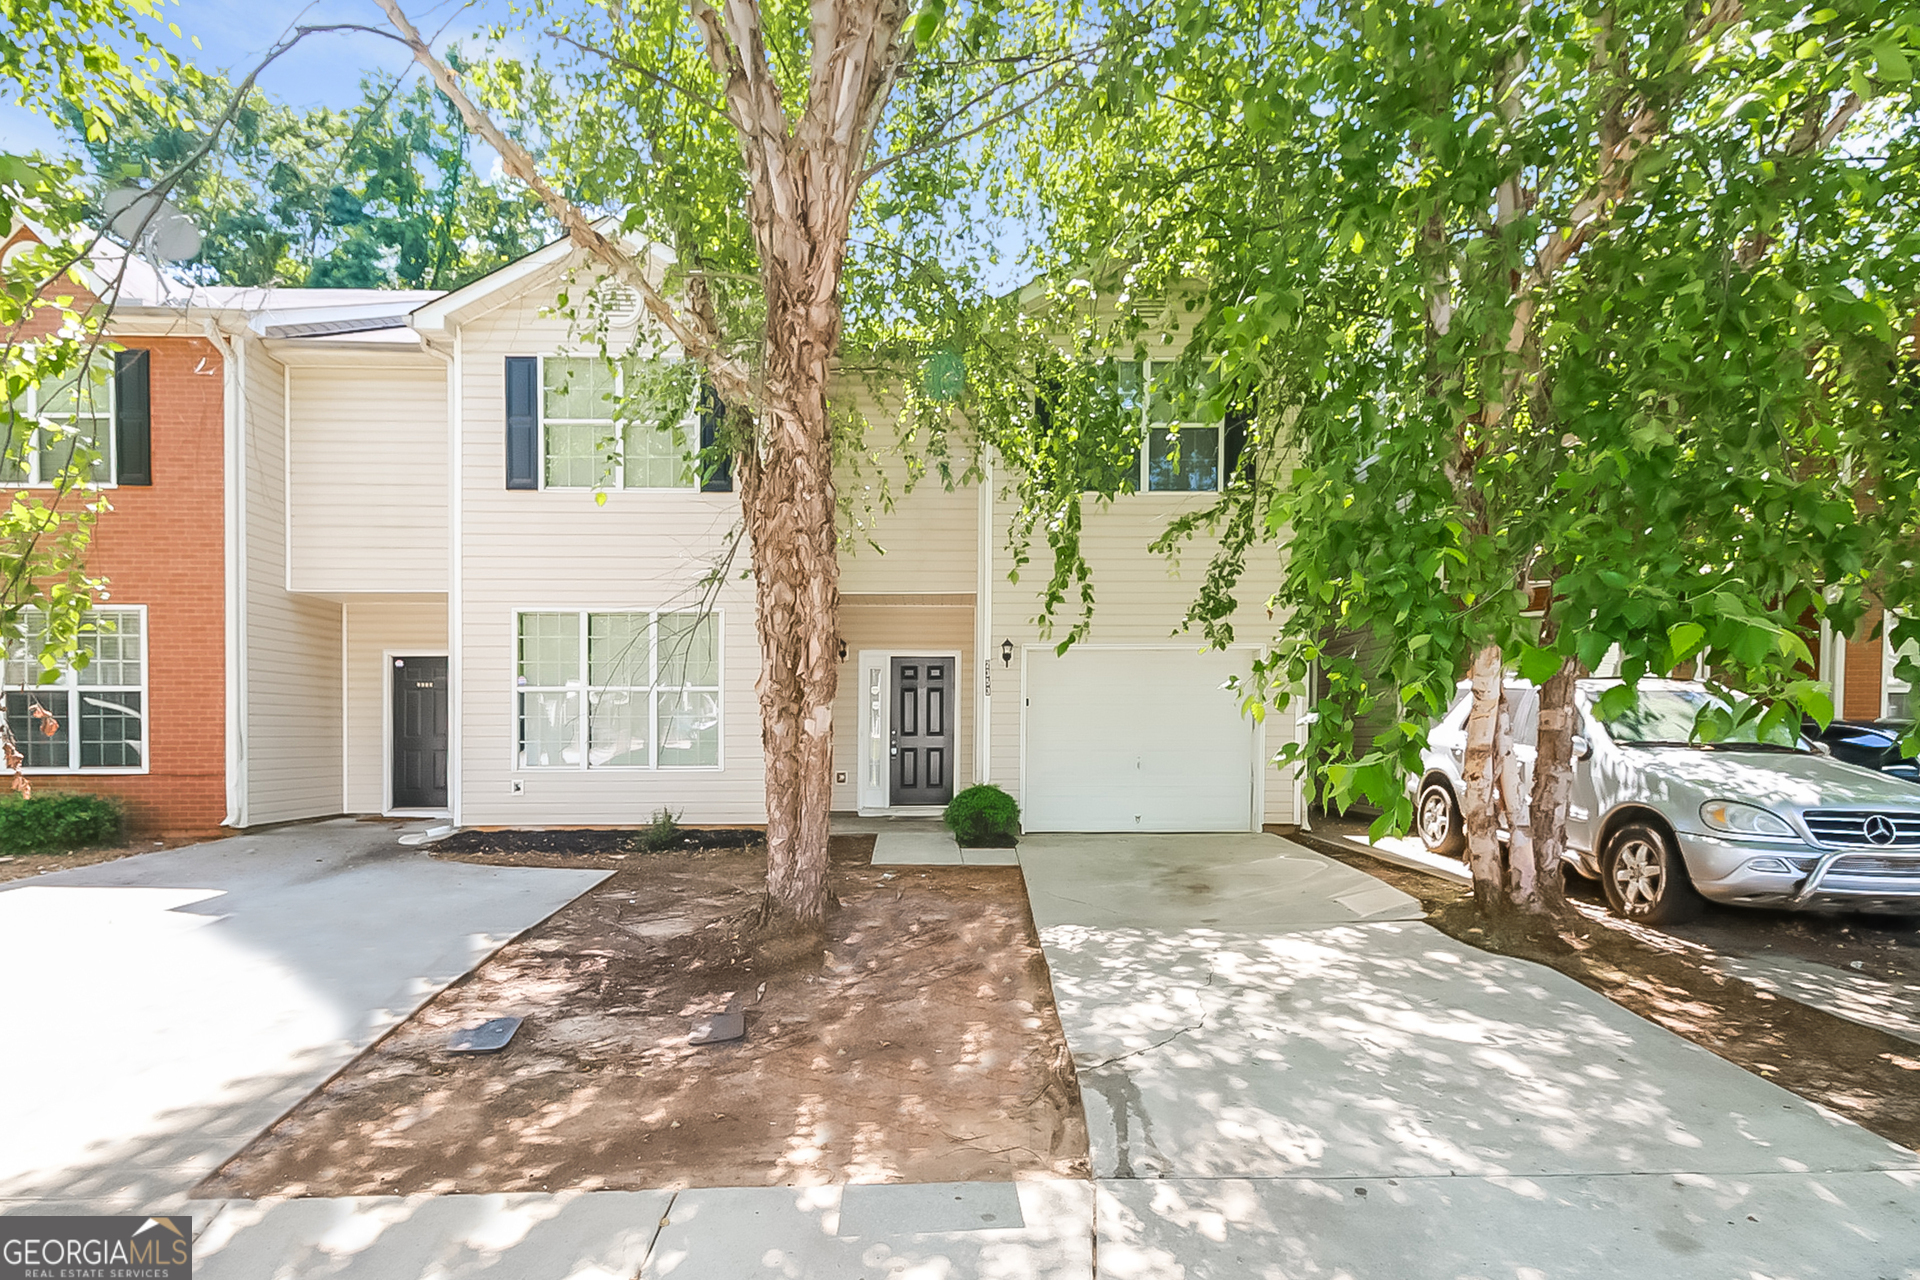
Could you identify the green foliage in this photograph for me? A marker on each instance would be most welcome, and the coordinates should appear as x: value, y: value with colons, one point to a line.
x: 630, y: 114
x: 93, y: 60
x: 659, y: 835
x: 57, y: 822
x: 1617, y: 299
x: 382, y: 195
x: 983, y: 815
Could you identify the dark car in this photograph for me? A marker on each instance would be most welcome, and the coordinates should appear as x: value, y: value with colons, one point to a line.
x: 1869, y: 744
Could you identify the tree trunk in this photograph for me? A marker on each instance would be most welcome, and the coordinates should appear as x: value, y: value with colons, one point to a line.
x: 788, y: 497
x: 1479, y: 811
x: 1552, y: 790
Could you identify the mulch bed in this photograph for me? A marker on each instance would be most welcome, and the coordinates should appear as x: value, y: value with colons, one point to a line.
x: 918, y: 1042
x: 584, y: 841
x: 1866, y: 1075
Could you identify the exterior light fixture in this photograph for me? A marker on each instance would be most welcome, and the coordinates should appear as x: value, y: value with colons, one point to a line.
x: 1006, y: 653
x: 843, y: 651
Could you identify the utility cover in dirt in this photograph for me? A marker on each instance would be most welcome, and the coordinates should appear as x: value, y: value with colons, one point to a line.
x: 489, y: 1037
x: 728, y: 1024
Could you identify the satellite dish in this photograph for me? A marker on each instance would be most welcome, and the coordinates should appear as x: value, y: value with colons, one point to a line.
x: 152, y: 224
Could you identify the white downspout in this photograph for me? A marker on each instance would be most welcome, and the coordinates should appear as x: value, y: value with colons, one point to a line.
x: 234, y: 513
x: 454, y: 630
x: 983, y: 632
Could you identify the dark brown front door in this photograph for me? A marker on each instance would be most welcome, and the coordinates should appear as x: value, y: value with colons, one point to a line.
x: 922, y: 743
x: 420, y: 733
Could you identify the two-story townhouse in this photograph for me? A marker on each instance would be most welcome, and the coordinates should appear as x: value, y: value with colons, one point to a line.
x: 382, y: 563
x: 527, y: 631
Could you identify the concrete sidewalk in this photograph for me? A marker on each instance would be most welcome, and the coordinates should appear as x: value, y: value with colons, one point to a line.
x: 1039, y: 1230
x: 1286, y: 1075
x: 168, y: 1007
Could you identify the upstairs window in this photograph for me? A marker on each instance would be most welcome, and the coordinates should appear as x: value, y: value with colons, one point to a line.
x: 1182, y: 456
x: 618, y: 691
x: 51, y: 419
x: 588, y: 443
x: 97, y: 711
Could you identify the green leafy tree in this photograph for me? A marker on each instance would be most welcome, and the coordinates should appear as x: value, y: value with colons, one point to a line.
x: 95, y: 59
x: 385, y: 194
x: 1609, y: 300
x: 803, y: 162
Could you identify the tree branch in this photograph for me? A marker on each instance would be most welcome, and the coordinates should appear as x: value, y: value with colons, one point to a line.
x: 729, y: 375
x: 671, y: 85
x: 934, y: 144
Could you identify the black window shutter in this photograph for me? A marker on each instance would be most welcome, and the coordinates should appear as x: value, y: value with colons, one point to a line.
x: 1237, y: 420
x: 523, y: 422
x: 132, y: 417
x: 719, y: 479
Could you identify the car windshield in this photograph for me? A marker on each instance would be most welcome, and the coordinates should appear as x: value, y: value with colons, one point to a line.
x: 1665, y: 717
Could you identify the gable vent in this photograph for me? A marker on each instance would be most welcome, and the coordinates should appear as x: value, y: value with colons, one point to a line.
x: 618, y: 304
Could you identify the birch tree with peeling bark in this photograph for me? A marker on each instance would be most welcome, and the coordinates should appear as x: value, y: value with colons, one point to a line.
x: 752, y: 137
x: 1605, y: 308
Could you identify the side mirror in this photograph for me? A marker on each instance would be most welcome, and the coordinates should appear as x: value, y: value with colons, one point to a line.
x: 1582, y: 749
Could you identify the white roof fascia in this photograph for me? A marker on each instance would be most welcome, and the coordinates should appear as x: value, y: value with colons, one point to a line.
x: 456, y: 308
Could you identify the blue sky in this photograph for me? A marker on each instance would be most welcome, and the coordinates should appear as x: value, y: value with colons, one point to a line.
x: 321, y: 70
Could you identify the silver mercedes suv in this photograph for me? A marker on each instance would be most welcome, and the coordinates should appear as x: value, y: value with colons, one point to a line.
x: 1663, y: 822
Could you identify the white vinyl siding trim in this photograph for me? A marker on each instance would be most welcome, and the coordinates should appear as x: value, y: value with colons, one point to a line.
x: 578, y: 688
x: 86, y: 702
x: 366, y: 489
x: 290, y: 697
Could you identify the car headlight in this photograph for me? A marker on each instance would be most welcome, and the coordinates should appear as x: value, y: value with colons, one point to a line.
x: 1744, y: 820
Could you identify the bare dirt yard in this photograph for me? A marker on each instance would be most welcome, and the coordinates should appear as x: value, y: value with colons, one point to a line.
x: 919, y: 1044
x: 24, y: 866
x: 1677, y: 977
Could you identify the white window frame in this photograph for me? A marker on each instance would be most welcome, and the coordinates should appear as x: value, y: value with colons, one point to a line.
x: 690, y: 424
x: 69, y: 684
x: 1890, y: 684
x: 1144, y: 475
x: 108, y: 418
x: 653, y: 689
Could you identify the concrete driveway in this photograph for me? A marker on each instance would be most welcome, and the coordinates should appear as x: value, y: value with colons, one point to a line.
x: 163, y: 1009
x: 1286, y: 1075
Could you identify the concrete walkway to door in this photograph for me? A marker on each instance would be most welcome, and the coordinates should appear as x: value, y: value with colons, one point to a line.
x: 1287, y: 1075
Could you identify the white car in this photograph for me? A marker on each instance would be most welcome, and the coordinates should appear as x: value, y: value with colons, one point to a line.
x: 1663, y: 822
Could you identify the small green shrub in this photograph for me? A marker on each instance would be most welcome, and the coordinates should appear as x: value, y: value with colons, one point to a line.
x: 659, y: 835
x: 57, y: 822
x: 984, y: 815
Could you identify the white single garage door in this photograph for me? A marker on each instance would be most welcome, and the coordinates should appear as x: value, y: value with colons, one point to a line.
x: 1137, y: 740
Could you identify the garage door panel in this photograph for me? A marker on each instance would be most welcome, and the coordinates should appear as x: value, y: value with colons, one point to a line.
x: 1137, y: 740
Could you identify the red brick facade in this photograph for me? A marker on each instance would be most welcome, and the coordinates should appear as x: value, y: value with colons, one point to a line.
x: 163, y: 546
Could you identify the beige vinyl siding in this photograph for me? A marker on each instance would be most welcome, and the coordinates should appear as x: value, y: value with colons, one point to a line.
x: 291, y: 724
x: 903, y: 629
x: 926, y: 542
x: 1140, y: 598
x: 367, y: 475
x: 375, y: 627
x: 552, y: 549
